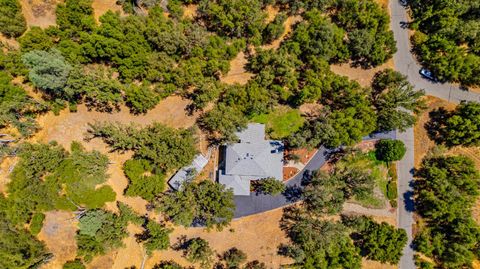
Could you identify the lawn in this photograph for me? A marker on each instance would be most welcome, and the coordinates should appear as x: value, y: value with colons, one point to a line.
x: 281, y: 122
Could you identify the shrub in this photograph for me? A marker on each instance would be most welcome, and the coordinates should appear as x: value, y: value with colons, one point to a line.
x: 234, y: 257
x: 12, y: 22
x: 389, y: 150
x: 36, y: 223
x: 75, y: 264
x: 270, y: 186
x: 145, y: 186
x: 198, y: 250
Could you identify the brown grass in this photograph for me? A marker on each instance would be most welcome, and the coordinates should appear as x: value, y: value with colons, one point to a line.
x: 39, y: 12
x: 368, y: 264
x: 237, y: 73
x: 362, y: 76
x: 58, y: 233
x: 100, y: 7
x: 190, y: 11
x: 422, y: 142
x: 289, y: 22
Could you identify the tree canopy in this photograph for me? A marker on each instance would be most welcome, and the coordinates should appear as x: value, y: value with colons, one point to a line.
x: 12, y: 22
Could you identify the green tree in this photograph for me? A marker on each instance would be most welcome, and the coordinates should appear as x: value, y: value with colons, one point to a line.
x: 459, y: 127
x: 395, y: 100
x: 270, y: 186
x: 145, y: 186
x: 197, y: 250
x: 222, y: 122
x: 141, y: 98
x: 324, y: 194
x: 35, y: 39
x: 234, y: 257
x: 48, y: 70
x: 18, y: 248
x: 234, y: 18
x: 380, y: 242
x: 389, y: 150
x: 12, y: 22
x: 206, y: 203
x: 166, y: 148
x: 17, y: 108
x: 275, y: 29
x: 168, y: 265
x: 446, y: 189
x: 155, y: 237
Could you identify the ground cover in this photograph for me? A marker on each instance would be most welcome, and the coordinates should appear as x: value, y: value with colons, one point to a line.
x: 282, y: 122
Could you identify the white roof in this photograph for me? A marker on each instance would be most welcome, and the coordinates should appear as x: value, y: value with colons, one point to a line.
x: 195, y: 167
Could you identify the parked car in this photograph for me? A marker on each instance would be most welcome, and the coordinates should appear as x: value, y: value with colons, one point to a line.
x: 427, y: 74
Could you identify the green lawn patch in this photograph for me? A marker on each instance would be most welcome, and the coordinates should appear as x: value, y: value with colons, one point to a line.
x: 282, y: 122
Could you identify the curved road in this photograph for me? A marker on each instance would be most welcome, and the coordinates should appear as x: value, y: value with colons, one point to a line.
x: 257, y: 203
x: 406, y: 64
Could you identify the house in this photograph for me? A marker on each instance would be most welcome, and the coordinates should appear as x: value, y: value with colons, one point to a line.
x: 252, y: 158
x: 187, y: 172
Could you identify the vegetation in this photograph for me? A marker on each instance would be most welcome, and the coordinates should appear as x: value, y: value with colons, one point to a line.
x: 36, y: 223
x: 197, y: 250
x: 145, y: 186
x: 100, y: 231
x: 155, y: 237
x: 269, y: 185
x: 205, y: 203
x: 168, y: 265
x: 446, y: 39
x: 458, y: 127
x: 47, y: 177
x: 281, y: 123
x: 12, y: 22
x: 389, y: 150
x: 165, y: 148
x: 234, y: 257
x: 17, y: 109
x: 380, y: 242
x: 396, y: 101
x: 74, y: 264
x: 446, y: 190
x: 18, y: 248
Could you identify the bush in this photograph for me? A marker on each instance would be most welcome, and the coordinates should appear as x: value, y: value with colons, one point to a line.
x: 389, y: 150
x: 36, y: 223
x: 197, y: 250
x: 145, y: 186
x: 269, y: 185
x: 234, y: 257
x: 75, y: 264
x: 140, y: 99
x: 12, y: 22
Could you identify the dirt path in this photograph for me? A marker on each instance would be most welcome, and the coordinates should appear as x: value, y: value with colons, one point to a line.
x: 237, y: 73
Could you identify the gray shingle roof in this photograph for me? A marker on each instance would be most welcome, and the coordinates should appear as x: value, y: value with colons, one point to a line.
x: 181, y: 176
x: 252, y: 159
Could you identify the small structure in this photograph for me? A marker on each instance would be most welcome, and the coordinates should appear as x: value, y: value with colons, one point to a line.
x: 188, y: 172
x: 253, y: 158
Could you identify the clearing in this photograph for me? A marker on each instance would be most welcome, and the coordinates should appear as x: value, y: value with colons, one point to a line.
x: 40, y: 12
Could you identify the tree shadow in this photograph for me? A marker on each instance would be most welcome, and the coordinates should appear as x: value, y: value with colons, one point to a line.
x: 409, y: 202
x: 435, y: 126
x: 293, y: 193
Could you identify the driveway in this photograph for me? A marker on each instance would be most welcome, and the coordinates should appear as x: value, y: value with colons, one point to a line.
x: 257, y: 203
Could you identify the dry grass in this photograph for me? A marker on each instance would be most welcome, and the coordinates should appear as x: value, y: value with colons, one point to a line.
x: 237, y: 73
x: 58, y: 233
x: 289, y: 23
x: 190, y: 11
x: 368, y: 264
x: 362, y: 76
x: 100, y: 7
x: 39, y: 12
x: 422, y: 142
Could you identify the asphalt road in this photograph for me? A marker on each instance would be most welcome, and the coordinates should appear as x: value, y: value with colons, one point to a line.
x: 406, y: 64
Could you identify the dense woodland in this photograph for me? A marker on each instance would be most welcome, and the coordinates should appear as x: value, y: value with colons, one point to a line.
x: 144, y: 56
x: 447, y: 38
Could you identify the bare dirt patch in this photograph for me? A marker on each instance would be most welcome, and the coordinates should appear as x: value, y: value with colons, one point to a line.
x: 362, y: 76
x: 40, y: 12
x: 190, y: 11
x: 6, y: 167
x: 289, y: 172
x: 271, y: 11
x: 100, y: 7
x: 58, y: 233
x: 237, y: 73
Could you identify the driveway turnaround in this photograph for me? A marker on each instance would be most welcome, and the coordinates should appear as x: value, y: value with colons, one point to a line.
x: 257, y: 203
